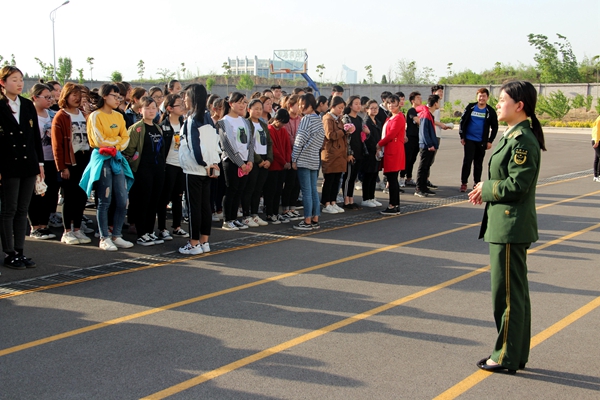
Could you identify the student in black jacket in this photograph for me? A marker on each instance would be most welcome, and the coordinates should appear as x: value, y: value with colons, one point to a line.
x: 21, y: 160
x: 477, y: 121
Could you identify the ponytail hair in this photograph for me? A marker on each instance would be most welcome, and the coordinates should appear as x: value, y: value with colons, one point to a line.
x: 524, y: 92
x: 196, y: 93
x: 169, y: 102
x: 169, y: 86
x: 233, y: 98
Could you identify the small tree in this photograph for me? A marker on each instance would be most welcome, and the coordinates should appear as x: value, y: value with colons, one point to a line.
x: 181, y: 71
x: 64, y: 70
x: 90, y: 61
x: 320, y: 70
x: 556, y: 105
x: 47, y: 71
x: 80, y: 77
x: 141, y: 69
x: 228, y: 73
x: 165, y: 74
x: 384, y: 80
x: 116, y: 76
x: 210, y: 82
x: 245, y: 83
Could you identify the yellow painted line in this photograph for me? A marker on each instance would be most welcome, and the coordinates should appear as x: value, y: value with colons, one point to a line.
x: 126, y: 318
x: 130, y: 317
x: 480, y: 375
x: 285, y: 238
x: 345, y: 322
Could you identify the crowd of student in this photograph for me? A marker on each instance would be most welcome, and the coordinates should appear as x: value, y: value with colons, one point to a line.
x: 140, y: 151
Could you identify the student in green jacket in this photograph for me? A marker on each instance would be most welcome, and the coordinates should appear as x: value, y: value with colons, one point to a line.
x: 510, y: 223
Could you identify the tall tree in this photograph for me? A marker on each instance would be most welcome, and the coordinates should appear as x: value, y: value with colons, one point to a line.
x: 64, y: 70
x: 245, y: 83
x: 141, y: 68
x: 47, y: 71
x: 90, y: 61
x: 384, y: 80
x: 228, y: 74
x: 555, y: 61
x: 80, y: 78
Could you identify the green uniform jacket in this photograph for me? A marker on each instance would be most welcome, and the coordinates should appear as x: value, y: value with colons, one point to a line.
x: 510, y: 215
x: 137, y: 135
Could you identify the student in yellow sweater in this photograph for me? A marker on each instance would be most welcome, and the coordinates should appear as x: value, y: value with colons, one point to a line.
x: 108, y: 136
x: 595, y: 139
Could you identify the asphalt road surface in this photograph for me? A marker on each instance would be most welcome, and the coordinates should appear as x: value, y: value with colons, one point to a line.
x: 367, y: 307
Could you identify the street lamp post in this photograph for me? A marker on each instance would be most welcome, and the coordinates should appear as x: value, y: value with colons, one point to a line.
x: 52, y: 18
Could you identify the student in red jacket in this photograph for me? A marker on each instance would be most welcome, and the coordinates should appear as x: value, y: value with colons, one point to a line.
x: 392, y: 141
x: 282, y: 156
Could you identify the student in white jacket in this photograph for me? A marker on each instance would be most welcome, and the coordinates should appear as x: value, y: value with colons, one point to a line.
x: 199, y: 155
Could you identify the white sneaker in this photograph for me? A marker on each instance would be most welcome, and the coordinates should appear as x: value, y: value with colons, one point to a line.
x: 83, y: 239
x: 219, y: 215
x: 240, y: 213
x: 358, y: 186
x: 260, y: 221
x: 329, y: 210
x: 145, y: 241
x: 214, y: 218
x: 155, y: 238
x: 248, y: 221
x: 230, y: 226
x: 368, y: 203
x: 240, y: 225
x: 205, y: 247
x: 596, y: 179
x: 338, y: 208
x: 85, y: 229
x: 402, y: 182
x: 378, y: 204
x: 107, y: 244
x: 69, y: 238
x: 165, y: 235
x: 339, y: 198
x: 189, y: 249
x: 122, y: 243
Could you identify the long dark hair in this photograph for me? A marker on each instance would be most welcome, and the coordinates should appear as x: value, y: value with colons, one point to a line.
x: 197, y: 95
x: 169, y: 86
x: 5, y: 72
x: 525, y: 92
x: 169, y: 102
x: 349, y: 103
x: 97, y: 98
x: 233, y: 98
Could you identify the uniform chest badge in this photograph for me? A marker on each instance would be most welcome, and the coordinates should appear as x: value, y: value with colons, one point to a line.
x: 520, y: 156
x: 31, y: 123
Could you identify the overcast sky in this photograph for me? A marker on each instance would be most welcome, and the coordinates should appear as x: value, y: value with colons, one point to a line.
x: 202, y: 34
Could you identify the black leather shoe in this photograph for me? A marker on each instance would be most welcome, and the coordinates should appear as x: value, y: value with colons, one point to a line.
x: 482, y: 364
x: 27, y: 262
x: 13, y: 262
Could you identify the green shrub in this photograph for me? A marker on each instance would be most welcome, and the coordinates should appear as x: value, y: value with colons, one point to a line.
x: 556, y: 105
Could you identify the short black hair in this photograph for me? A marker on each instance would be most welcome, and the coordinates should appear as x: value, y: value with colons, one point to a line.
x: 282, y: 115
x: 364, y: 100
x: 273, y: 87
x: 385, y: 95
x: 435, y: 88
x: 337, y: 88
x: 412, y: 95
x: 321, y: 100
x: 434, y: 98
x: 307, y: 89
x: 400, y: 94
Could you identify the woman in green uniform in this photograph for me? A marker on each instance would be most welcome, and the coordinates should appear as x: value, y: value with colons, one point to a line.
x: 510, y: 223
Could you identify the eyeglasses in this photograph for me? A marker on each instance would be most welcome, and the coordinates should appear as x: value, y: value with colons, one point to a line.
x: 178, y: 105
x: 156, y: 98
x: 116, y: 96
x: 46, y: 97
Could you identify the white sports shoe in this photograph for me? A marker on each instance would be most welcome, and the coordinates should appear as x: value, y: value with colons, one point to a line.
x: 189, y: 249
x: 378, y: 204
x: 250, y: 222
x: 122, y: 243
x: 107, y: 244
x: 69, y: 238
x: 83, y: 239
x: 330, y: 210
x: 260, y: 221
x: 368, y: 203
x: 205, y: 247
x: 338, y: 208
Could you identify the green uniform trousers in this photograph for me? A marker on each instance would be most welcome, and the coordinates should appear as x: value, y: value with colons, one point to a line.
x: 512, y: 307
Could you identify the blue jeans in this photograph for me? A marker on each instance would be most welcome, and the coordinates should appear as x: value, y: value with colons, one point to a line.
x: 108, y: 185
x: 310, y: 196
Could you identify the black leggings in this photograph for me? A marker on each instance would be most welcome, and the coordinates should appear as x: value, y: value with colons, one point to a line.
x: 272, y: 191
x: 217, y: 190
x: 596, y: 161
x: 394, y: 188
x: 75, y: 196
x: 350, y: 178
x: 291, y: 190
x: 145, y: 196
x: 15, y: 194
x: 172, y: 192
x: 254, y: 189
x: 330, y: 189
x: 474, y: 154
x: 41, y: 207
x: 368, y: 184
x: 198, y: 202
x: 411, y: 149
x: 234, y: 191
